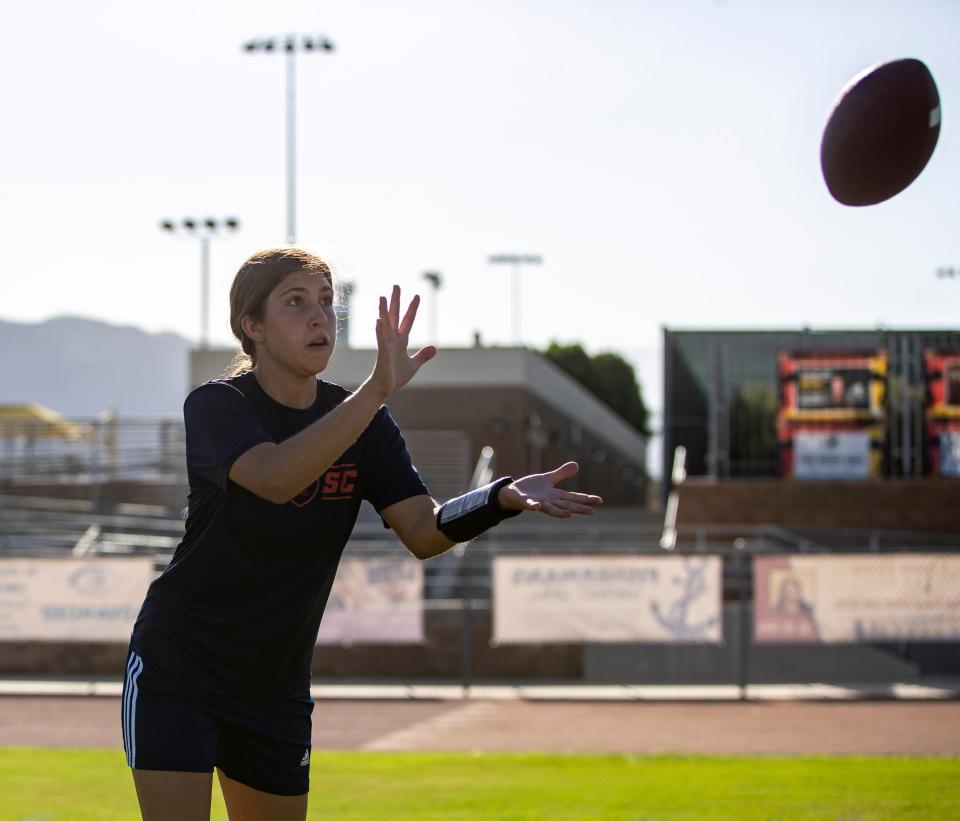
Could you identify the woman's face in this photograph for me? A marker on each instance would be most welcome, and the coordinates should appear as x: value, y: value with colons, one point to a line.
x: 299, y: 327
x: 790, y: 597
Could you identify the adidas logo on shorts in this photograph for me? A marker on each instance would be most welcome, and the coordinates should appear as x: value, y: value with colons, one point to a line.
x: 305, y: 761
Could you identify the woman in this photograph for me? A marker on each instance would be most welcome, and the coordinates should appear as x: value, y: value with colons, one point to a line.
x: 278, y: 460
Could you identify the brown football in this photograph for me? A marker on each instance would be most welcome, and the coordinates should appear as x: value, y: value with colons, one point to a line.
x: 881, y: 132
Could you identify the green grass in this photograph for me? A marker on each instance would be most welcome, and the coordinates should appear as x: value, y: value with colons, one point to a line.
x: 55, y: 785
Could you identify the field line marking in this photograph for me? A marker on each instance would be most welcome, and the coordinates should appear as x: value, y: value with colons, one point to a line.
x: 410, y: 737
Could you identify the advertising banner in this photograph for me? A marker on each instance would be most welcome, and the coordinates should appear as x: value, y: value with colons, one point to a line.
x: 951, y: 383
x: 942, y: 375
x: 71, y: 599
x: 831, y: 455
x: 375, y: 601
x: 833, y: 388
x: 872, y: 598
x: 607, y: 599
x: 844, y: 385
x: 950, y: 453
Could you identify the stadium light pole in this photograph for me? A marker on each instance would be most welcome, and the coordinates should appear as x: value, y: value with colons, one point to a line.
x: 435, y: 278
x: 204, y: 229
x: 346, y: 290
x: 517, y: 261
x: 290, y: 44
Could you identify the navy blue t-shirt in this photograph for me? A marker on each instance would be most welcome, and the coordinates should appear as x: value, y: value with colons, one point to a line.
x: 238, y: 608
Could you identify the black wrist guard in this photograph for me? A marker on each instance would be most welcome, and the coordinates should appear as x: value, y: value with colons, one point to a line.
x: 467, y: 516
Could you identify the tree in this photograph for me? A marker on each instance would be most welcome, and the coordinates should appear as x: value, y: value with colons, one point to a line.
x: 753, y: 431
x: 607, y: 376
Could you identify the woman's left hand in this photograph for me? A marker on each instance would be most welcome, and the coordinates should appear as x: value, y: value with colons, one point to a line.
x: 540, y: 492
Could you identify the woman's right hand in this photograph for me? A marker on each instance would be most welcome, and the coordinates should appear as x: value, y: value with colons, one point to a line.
x: 395, y: 367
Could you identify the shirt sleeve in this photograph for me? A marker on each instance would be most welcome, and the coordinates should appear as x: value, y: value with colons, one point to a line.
x: 391, y: 476
x: 221, y: 425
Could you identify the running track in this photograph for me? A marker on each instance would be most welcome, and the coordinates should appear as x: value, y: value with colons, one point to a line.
x: 758, y: 728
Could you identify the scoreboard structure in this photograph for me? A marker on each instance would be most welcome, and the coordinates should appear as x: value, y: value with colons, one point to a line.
x: 832, y: 414
x: 942, y: 413
x: 812, y: 403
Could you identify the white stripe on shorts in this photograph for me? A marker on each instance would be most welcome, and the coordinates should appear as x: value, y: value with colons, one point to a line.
x: 134, y: 669
x: 126, y: 700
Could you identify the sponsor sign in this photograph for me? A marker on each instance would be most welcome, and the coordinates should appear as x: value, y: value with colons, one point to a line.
x: 71, y: 599
x: 607, y: 599
x: 822, y: 386
x: 839, y: 455
x: 833, y: 599
x: 833, y: 388
x: 942, y: 375
x: 375, y: 601
x: 951, y: 380
x: 950, y: 453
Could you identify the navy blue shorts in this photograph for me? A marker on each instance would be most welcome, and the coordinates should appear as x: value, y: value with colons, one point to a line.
x: 170, y: 725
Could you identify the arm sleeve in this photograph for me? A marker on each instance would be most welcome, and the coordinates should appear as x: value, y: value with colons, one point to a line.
x: 221, y: 425
x: 391, y: 477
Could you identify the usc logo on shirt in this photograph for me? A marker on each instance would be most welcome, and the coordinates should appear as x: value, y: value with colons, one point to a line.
x: 337, y: 483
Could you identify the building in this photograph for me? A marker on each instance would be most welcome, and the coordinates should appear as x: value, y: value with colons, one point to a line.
x: 514, y: 400
x: 722, y: 394
x: 845, y: 412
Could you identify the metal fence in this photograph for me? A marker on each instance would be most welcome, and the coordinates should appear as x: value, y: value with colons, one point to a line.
x: 458, y: 599
x: 462, y: 584
x: 112, y: 462
x: 92, y: 449
x: 74, y: 496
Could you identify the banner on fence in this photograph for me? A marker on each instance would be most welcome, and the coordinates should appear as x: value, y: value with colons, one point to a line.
x: 607, y: 599
x: 71, y: 599
x: 893, y: 597
x: 375, y: 601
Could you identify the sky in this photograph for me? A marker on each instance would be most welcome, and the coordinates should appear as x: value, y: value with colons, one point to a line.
x: 662, y: 157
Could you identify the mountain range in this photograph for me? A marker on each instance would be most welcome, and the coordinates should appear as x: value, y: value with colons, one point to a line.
x: 80, y: 367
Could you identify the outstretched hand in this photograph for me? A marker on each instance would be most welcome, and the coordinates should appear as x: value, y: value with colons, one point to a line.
x: 395, y: 367
x: 540, y: 492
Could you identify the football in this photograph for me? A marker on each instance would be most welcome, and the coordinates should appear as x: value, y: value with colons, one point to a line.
x: 881, y: 132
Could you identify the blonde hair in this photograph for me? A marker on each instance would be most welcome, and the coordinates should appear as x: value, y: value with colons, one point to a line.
x: 257, y: 277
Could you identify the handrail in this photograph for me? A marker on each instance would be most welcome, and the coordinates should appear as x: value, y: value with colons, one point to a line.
x: 668, y: 541
x: 483, y: 472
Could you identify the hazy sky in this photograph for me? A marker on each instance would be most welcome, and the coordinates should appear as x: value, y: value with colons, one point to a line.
x: 662, y: 157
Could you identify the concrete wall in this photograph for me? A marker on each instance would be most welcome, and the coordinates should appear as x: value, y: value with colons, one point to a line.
x: 764, y: 664
x: 917, y: 505
x: 441, y: 657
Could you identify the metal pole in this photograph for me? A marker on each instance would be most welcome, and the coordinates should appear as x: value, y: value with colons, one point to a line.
x: 434, y: 278
x: 723, y: 414
x: 466, y: 623
x: 905, y: 406
x: 713, y: 412
x: 516, y: 302
x: 916, y: 398
x: 96, y: 496
x: 516, y: 261
x: 667, y: 443
x: 291, y: 148
x: 204, y: 289
x: 743, y: 641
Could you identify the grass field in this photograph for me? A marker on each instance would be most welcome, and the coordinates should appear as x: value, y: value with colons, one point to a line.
x: 55, y: 785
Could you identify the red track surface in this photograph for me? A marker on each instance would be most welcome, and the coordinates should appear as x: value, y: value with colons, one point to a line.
x: 764, y: 728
